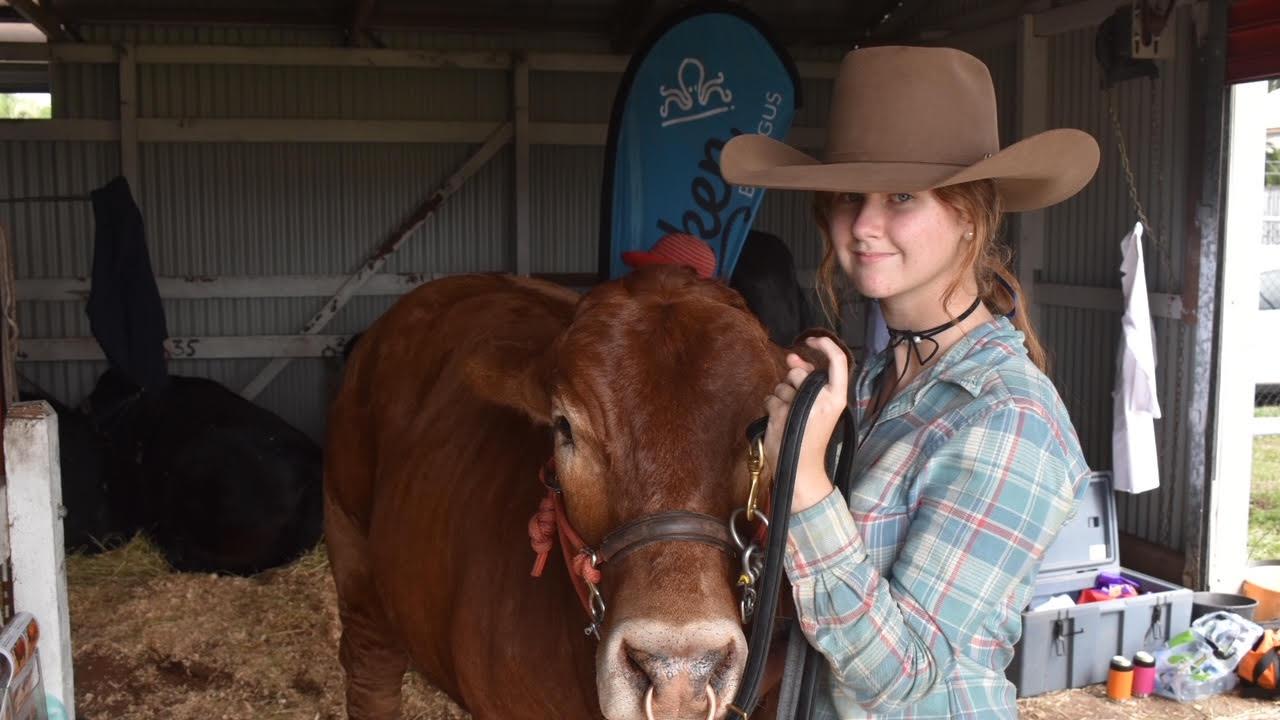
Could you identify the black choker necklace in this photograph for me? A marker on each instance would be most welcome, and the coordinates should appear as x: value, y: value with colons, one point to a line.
x: 897, y: 337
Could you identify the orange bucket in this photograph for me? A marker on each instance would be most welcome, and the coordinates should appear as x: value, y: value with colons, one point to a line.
x: 1262, y: 583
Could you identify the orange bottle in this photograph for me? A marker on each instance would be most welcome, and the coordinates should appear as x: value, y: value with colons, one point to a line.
x: 1120, y: 679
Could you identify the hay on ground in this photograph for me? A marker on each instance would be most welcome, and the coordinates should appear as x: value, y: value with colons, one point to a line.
x: 149, y: 643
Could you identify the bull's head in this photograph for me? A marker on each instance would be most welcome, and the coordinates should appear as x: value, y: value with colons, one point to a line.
x: 649, y: 393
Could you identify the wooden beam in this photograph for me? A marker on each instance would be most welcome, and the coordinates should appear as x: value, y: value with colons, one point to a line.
x: 227, y: 347
x: 330, y: 309
x: 577, y: 62
x: 251, y: 286
x: 293, y: 56
x: 190, y: 130
x: 51, y: 130
x: 43, y: 18
x: 1032, y: 118
x: 533, y: 20
x: 288, y: 56
x: 520, y: 191
x: 900, y: 14
x: 998, y: 35
x: 1103, y: 298
x: 76, y: 289
x: 64, y: 51
x: 129, y: 149
x: 193, y: 14
x: 216, y: 130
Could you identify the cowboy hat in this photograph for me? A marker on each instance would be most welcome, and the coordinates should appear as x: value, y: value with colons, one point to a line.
x: 907, y: 119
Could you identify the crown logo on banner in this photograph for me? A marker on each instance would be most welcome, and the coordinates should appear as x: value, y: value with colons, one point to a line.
x: 693, y: 96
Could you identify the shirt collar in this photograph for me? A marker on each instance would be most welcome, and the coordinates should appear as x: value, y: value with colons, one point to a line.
x: 967, y: 364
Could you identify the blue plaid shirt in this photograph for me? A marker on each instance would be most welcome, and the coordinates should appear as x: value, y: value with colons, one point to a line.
x: 913, y: 589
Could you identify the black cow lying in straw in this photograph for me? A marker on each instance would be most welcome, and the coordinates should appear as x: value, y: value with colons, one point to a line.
x: 217, y: 482
x: 88, y: 479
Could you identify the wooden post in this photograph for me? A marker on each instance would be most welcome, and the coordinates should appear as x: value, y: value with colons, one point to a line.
x: 129, y: 118
x: 1238, y: 362
x: 34, y: 489
x: 8, y: 322
x: 1033, y: 117
x: 520, y: 107
x: 388, y: 248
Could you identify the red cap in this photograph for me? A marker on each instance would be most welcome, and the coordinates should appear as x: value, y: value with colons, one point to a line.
x: 676, y: 249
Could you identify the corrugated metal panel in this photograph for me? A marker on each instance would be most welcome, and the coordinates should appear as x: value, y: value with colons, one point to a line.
x: 52, y: 239
x: 262, y: 209
x: 564, y: 208
x: 945, y: 13
x: 1083, y: 242
x: 789, y: 215
x: 571, y: 97
x: 1002, y: 61
x: 265, y: 209
x: 238, y: 209
x: 1084, y: 372
x: 1083, y: 248
x: 245, y: 91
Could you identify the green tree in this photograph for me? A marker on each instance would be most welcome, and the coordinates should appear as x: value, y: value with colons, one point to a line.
x: 1273, y: 166
x: 24, y: 108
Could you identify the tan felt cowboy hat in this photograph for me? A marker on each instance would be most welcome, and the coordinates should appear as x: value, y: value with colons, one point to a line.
x: 906, y: 119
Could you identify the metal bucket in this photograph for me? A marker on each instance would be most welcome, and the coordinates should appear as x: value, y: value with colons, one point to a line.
x: 1203, y: 603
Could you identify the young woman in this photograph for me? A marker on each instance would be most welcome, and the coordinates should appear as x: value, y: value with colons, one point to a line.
x: 966, y: 462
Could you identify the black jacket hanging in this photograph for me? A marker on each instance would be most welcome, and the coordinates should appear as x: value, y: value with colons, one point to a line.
x: 124, y: 307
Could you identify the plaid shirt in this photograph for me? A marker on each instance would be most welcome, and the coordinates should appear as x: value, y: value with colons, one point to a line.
x: 913, y: 590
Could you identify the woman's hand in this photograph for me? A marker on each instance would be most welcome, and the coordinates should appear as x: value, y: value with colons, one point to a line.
x: 812, y: 484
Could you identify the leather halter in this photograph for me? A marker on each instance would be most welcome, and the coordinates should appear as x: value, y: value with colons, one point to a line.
x: 585, y: 561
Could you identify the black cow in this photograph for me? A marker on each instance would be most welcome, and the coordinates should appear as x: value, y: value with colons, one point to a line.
x: 88, y: 481
x: 218, y: 483
x: 765, y: 276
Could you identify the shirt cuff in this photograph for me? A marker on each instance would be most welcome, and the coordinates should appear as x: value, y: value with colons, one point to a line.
x: 821, y: 536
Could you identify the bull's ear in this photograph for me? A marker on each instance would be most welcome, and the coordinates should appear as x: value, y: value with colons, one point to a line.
x: 515, y: 373
x: 815, y: 357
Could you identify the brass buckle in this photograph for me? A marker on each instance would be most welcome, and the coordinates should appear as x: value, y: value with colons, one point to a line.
x: 755, y: 466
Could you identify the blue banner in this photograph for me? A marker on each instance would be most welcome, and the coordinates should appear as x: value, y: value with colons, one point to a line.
x: 703, y: 78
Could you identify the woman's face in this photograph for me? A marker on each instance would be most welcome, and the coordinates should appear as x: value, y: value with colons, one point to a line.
x: 897, y: 245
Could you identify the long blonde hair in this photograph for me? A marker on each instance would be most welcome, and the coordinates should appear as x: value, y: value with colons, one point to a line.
x: 985, y: 254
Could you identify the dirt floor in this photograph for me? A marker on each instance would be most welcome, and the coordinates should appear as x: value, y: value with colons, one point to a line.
x: 153, y: 644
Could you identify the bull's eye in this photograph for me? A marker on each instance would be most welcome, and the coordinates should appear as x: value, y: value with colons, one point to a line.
x: 563, y: 431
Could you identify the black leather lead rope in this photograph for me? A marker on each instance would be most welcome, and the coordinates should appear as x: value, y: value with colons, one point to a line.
x: 784, y: 481
x: 813, y: 660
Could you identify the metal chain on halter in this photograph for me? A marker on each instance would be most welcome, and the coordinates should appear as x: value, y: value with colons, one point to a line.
x: 751, y: 554
x: 1164, y: 254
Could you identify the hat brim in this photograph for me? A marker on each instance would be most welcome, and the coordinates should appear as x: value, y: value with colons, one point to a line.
x: 637, y: 258
x: 1040, y: 171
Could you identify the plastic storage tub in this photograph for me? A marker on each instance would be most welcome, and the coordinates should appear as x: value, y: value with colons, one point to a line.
x: 1072, y: 647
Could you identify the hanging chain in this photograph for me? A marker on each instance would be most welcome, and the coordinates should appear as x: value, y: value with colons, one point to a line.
x: 1162, y: 249
x: 1163, y: 252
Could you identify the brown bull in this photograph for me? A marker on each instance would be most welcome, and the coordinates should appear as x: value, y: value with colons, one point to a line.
x: 453, y: 401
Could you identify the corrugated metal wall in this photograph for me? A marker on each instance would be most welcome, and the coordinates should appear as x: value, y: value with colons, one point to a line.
x: 1083, y: 248
x: 264, y: 209
x: 308, y: 208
